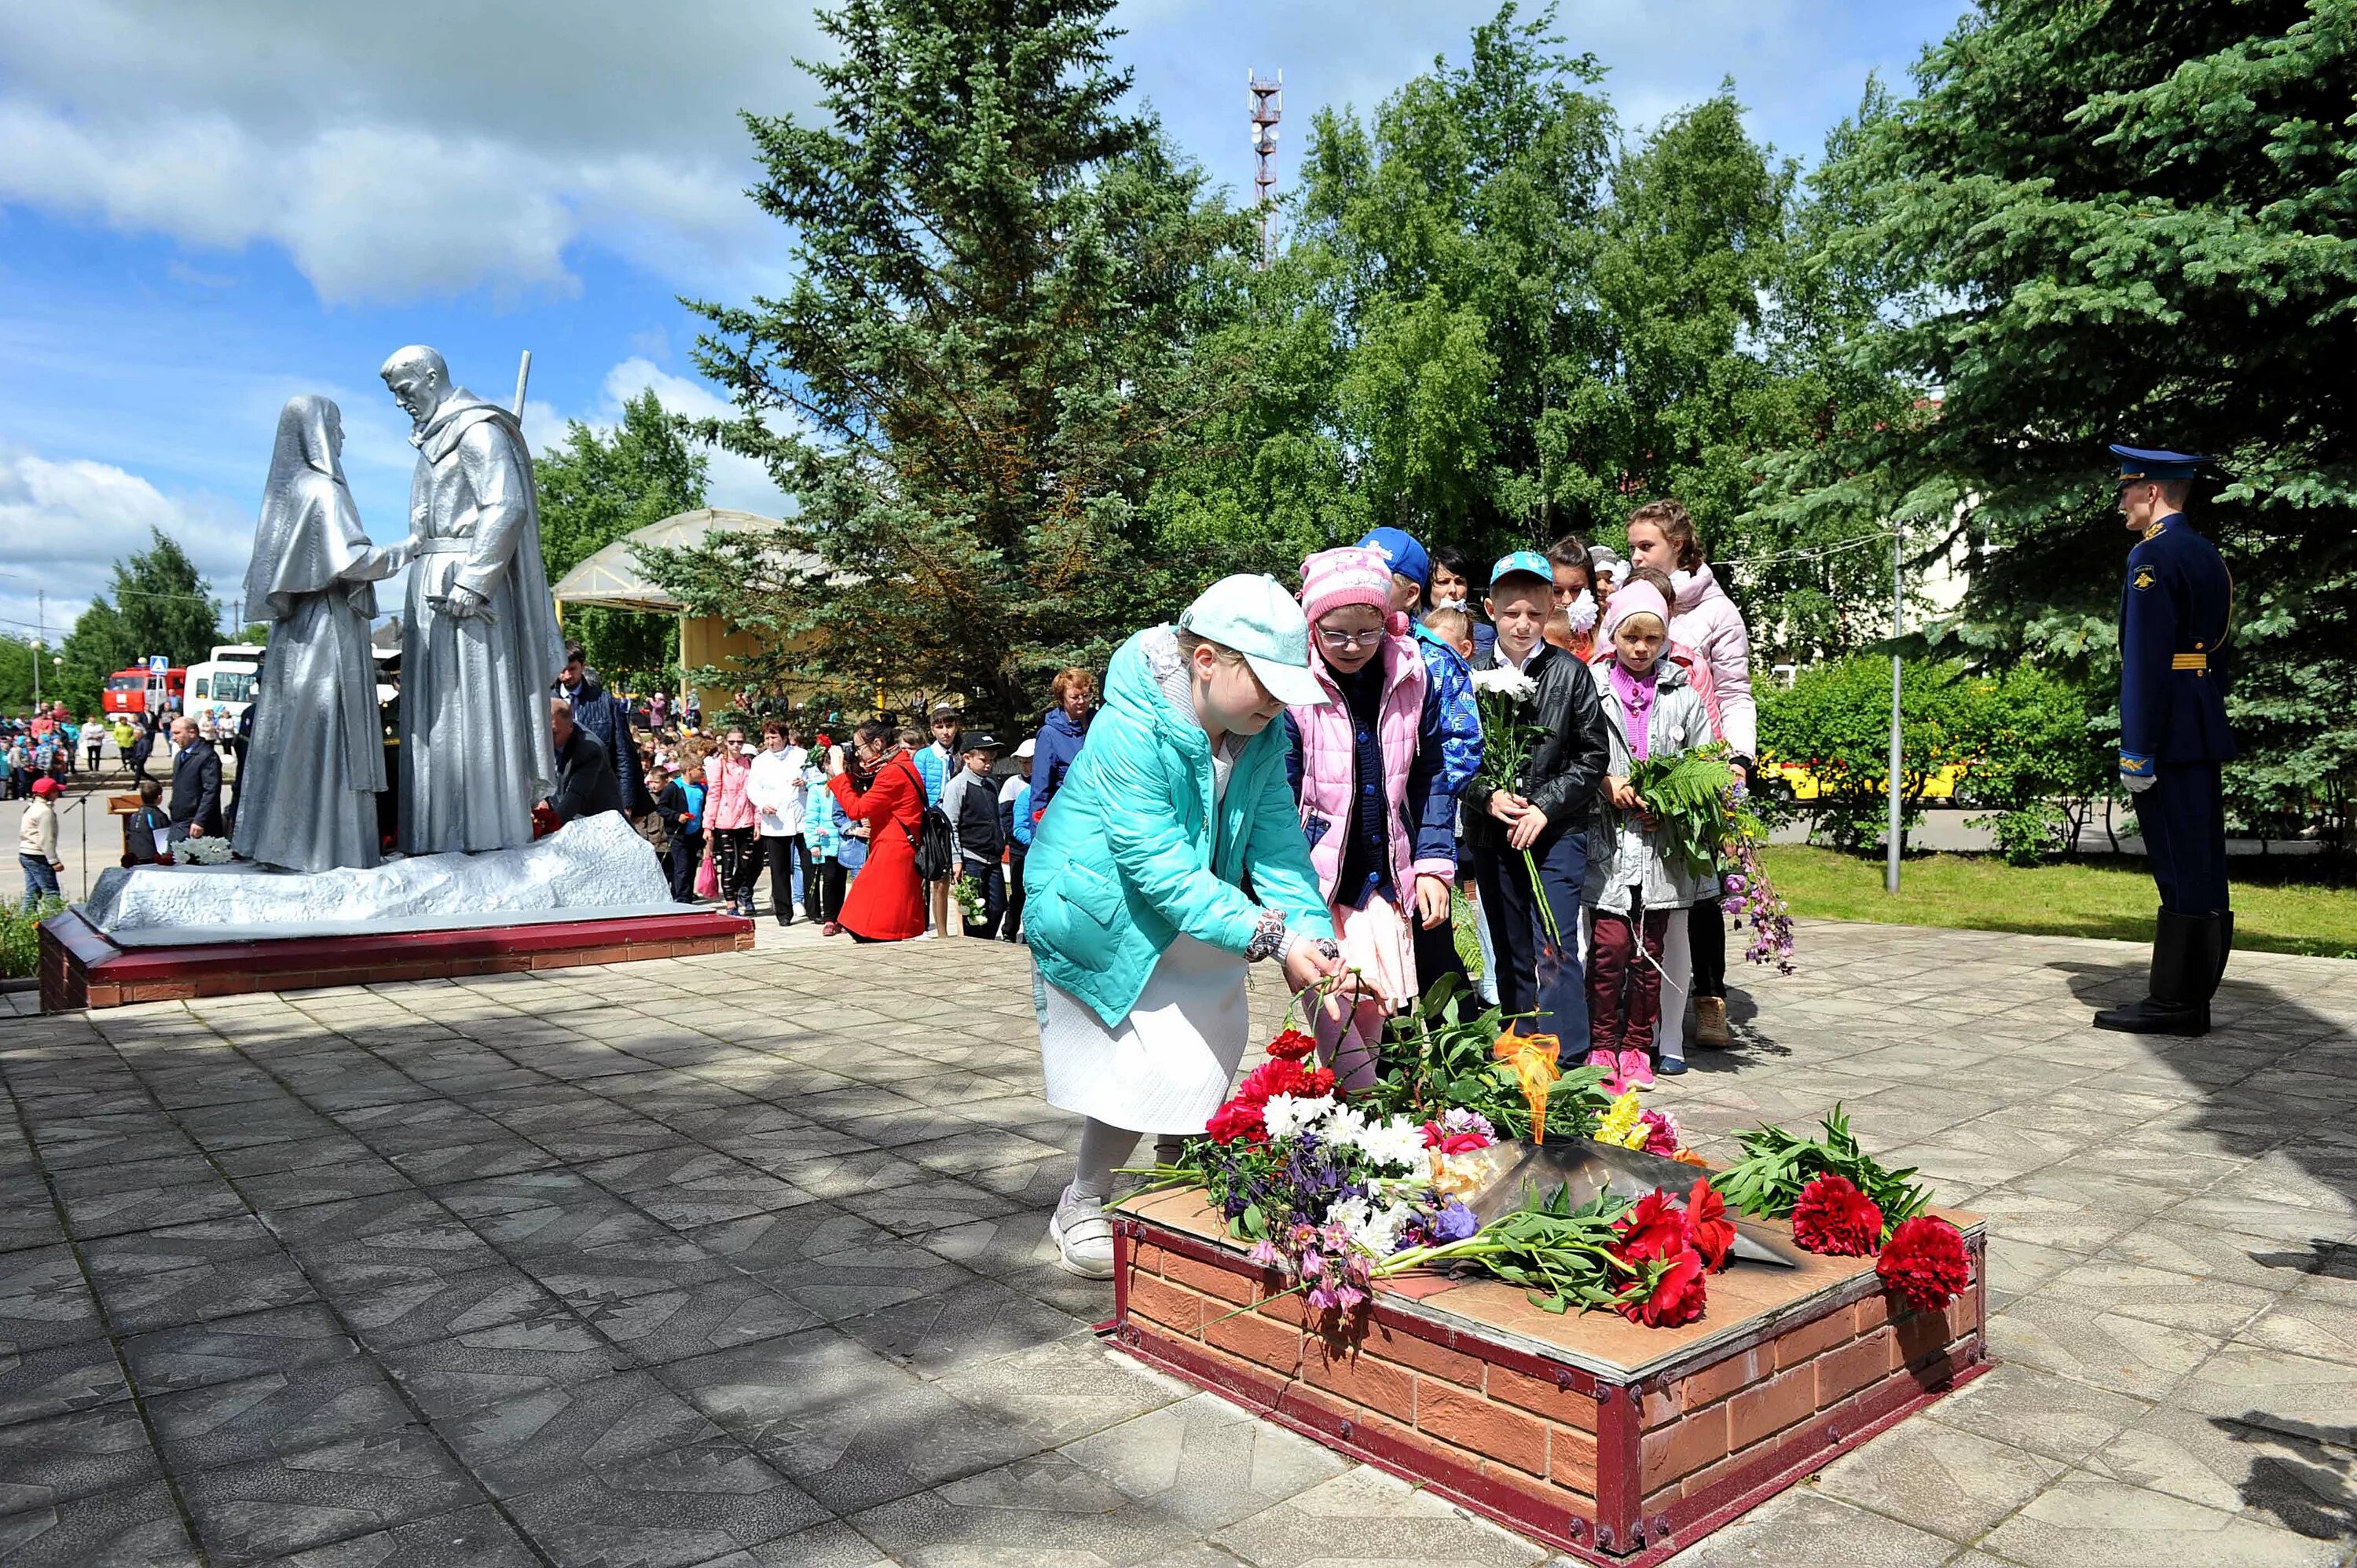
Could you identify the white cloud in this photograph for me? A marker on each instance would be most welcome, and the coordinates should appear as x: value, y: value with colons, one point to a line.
x: 393, y: 154
x: 63, y: 524
x: 732, y: 480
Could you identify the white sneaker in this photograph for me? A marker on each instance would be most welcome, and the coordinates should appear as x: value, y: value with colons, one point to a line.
x: 1083, y: 1235
x: 927, y: 935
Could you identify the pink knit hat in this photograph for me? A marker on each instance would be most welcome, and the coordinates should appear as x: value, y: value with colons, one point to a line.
x: 1635, y: 598
x: 1332, y: 579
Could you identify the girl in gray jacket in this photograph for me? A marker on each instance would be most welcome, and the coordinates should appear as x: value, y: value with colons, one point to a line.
x: 1650, y: 711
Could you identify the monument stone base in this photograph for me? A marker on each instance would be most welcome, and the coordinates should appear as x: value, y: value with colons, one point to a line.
x: 590, y: 893
x: 1614, y: 1443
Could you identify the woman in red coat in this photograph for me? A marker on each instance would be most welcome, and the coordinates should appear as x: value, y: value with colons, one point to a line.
x: 881, y: 788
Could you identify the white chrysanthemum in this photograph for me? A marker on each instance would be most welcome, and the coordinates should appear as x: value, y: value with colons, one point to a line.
x: 1505, y: 681
x: 1343, y: 1127
x: 1351, y: 1213
x: 1398, y: 1142
x: 1378, y: 1232
x: 1287, y: 1114
x: 1583, y: 611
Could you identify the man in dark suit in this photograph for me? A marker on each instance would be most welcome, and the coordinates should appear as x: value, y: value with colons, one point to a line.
x: 196, y: 783
x: 2176, y: 610
x: 608, y: 717
x: 586, y: 784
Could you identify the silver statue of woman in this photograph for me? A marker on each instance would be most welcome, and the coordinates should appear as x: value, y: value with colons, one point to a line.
x: 306, y: 799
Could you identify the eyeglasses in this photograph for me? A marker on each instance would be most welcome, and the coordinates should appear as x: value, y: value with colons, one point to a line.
x: 1352, y: 640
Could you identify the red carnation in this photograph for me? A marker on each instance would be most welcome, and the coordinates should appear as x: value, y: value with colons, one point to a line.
x: 1837, y: 1219
x: 1317, y: 1081
x: 1239, y: 1118
x: 1926, y: 1262
x: 1654, y: 1229
x: 1708, y: 1229
x: 1676, y: 1298
x: 1292, y: 1046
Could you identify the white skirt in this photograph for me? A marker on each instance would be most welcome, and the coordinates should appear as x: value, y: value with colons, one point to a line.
x: 1167, y: 1066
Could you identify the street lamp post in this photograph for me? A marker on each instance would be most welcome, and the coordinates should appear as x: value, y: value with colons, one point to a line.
x: 1898, y: 625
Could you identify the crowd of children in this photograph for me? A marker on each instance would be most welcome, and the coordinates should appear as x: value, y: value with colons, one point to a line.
x: 1299, y: 777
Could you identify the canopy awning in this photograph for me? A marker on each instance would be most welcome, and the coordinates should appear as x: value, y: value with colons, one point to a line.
x: 612, y: 579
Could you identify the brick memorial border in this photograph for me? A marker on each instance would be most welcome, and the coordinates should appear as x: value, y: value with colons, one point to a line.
x: 1618, y: 1443
x: 81, y: 968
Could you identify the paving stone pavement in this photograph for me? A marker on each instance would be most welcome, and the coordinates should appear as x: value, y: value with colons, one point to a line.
x: 740, y: 1260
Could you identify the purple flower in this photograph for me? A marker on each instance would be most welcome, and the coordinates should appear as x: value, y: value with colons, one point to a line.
x: 1455, y: 1223
x: 1733, y: 885
x: 1265, y: 1253
x: 1323, y: 1300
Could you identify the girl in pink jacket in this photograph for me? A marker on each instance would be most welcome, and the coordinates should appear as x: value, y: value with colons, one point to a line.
x: 728, y: 818
x: 1661, y: 536
x: 1366, y: 774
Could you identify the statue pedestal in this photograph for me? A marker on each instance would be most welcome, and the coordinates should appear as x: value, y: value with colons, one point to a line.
x: 590, y: 893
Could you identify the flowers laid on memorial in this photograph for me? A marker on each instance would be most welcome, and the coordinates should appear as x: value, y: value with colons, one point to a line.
x: 1834, y: 1219
x: 1925, y: 1262
x: 1333, y: 1192
x: 1777, y: 1166
x: 213, y: 850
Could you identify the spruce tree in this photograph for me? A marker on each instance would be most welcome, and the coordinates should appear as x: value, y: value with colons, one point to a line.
x: 2102, y: 222
x: 1003, y: 277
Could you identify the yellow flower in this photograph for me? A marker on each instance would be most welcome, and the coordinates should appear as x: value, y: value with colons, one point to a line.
x: 1623, y: 1123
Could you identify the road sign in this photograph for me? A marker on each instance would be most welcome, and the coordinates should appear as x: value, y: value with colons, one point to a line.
x: 158, y: 664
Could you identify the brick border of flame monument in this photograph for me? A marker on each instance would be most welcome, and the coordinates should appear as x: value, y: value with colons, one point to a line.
x: 1573, y: 1430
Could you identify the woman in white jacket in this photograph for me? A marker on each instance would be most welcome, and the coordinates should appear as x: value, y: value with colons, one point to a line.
x: 780, y: 796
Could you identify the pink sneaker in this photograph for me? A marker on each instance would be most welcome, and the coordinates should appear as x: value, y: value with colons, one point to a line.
x: 1636, y: 1070
x: 1611, y: 1066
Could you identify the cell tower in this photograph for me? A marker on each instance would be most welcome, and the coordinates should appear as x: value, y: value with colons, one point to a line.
x: 1266, y: 99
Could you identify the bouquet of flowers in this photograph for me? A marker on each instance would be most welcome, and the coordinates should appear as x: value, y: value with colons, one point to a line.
x: 967, y: 891
x: 1744, y: 881
x: 1510, y: 733
x: 1845, y: 1205
x: 213, y: 850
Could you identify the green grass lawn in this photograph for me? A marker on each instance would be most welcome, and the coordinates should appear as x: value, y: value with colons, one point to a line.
x: 2273, y: 912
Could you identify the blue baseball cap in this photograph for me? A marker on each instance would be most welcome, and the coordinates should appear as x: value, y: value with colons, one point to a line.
x: 1398, y: 547
x: 1521, y: 563
x: 1255, y: 615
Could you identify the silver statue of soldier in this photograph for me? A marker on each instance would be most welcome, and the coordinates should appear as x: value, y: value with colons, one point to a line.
x: 307, y: 787
x: 479, y: 643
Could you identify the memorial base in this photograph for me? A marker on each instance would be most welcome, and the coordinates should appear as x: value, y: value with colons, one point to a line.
x: 80, y: 967
x: 1615, y: 1443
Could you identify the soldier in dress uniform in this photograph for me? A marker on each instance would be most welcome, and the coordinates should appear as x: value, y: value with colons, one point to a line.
x: 2175, y: 612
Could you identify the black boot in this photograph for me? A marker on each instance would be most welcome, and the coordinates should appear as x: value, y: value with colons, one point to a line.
x: 2225, y: 946
x: 2186, y: 962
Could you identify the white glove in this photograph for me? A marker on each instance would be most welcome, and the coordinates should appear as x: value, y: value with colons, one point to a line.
x: 2137, y: 783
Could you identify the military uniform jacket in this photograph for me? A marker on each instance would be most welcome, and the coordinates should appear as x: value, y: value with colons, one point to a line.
x: 2174, y: 614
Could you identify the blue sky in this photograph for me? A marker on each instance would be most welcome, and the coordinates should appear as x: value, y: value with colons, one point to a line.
x: 207, y: 209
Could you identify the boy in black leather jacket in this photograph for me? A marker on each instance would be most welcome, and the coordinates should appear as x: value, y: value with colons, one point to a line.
x: 1547, y: 816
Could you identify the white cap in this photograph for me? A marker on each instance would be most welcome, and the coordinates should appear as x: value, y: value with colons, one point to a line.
x: 1029, y: 747
x: 1255, y: 615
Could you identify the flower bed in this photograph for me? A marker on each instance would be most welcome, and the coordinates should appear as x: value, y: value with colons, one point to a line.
x: 1613, y: 1440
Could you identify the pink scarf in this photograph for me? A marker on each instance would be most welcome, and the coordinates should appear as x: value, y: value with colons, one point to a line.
x: 1636, y: 694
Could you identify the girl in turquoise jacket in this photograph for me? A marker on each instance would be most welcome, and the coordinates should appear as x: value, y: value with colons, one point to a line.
x: 1139, y: 922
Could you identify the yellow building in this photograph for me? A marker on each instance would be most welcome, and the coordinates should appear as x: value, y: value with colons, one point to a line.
x: 613, y: 579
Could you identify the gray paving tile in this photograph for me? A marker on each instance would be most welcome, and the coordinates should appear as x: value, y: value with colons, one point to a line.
x: 1938, y: 1479
x: 271, y: 1507
x: 137, y: 1527
x: 53, y: 1460
x: 753, y: 1388
x: 1803, y: 1526
x: 279, y: 1412
x: 395, y: 1312
x: 465, y: 1371
x: 695, y: 1318
x: 179, y: 1246
x: 471, y: 1538
x: 28, y: 1218
x: 2024, y: 1407
x: 203, y: 1293
x: 852, y: 1454
x: 555, y: 1431
x: 363, y: 1176
x: 971, y: 1322
x: 1206, y: 1461
x: 2085, y: 1521
x: 58, y: 1379
x: 689, y: 1506
x: 230, y: 1349
x: 1042, y: 1509
x: 2271, y: 1476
